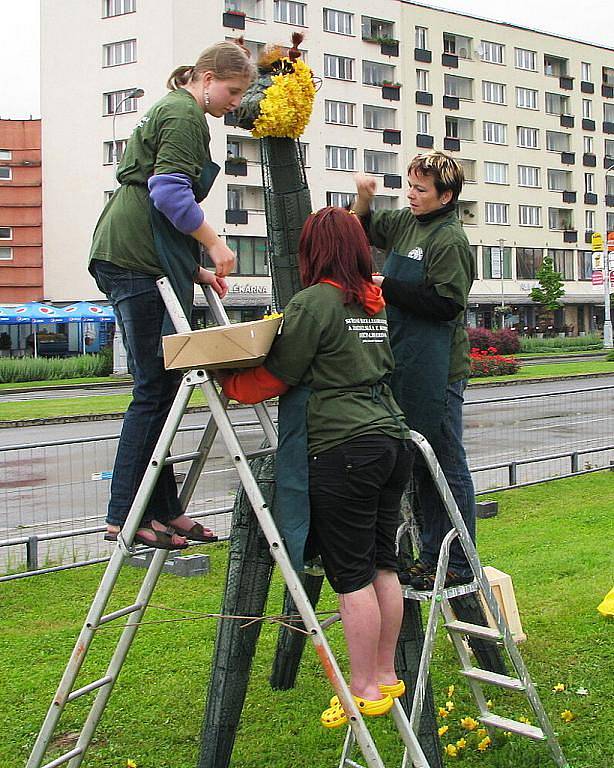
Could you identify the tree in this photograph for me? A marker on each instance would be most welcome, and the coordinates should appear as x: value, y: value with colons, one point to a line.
x: 550, y: 288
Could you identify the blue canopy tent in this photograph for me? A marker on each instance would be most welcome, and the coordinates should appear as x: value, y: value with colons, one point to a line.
x: 87, y: 312
x: 33, y: 313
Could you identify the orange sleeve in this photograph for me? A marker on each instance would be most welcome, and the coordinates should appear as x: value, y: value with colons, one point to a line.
x: 253, y: 386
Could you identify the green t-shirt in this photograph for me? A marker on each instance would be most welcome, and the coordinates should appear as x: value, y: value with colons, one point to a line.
x: 172, y: 137
x: 338, y: 351
x: 448, y: 264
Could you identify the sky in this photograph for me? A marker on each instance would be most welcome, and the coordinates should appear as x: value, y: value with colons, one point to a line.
x: 589, y: 20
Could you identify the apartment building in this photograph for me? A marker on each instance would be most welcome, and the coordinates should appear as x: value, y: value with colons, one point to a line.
x: 530, y: 115
x: 21, y: 258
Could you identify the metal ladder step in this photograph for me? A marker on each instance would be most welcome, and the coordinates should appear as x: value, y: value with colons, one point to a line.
x: 474, y: 630
x: 89, y: 688
x: 493, y: 678
x: 514, y: 726
x: 64, y: 758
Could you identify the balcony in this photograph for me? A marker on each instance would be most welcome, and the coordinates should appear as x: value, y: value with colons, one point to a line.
x: 590, y: 198
x: 391, y: 136
x: 609, y: 201
x: 236, y: 166
x: 424, y: 98
x: 391, y: 91
x: 568, y: 158
x: 451, y: 102
x: 608, y: 127
x: 451, y: 145
x: 567, y: 121
x: 587, y: 87
x: 389, y: 46
x: 569, y: 197
x: 233, y: 19
x: 449, y: 60
x: 423, y: 55
x: 588, y: 236
x: 236, y: 216
x: 570, y: 236
x: 587, y: 124
x: 607, y: 91
x: 424, y: 141
x: 566, y: 83
x: 589, y: 160
x: 392, y: 181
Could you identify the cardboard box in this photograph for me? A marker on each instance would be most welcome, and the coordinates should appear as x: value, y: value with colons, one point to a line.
x: 242, y: 345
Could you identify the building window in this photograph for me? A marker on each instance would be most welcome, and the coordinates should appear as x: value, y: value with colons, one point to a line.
x: 422, y: 38
x: 468, y: 167
x: 496, y: 173
x: 608, y: 148
x: 6, y: 253
x: 589, y: 182
x: 608, y: 113
x: 340, y: 158
x: 563, y: 261
x: 111, y: 101
x: 589, y: 221
x: 422, y: 79
x: 461, y: 87
x: 380, y: 162
x: 374, y: 73
x: 555, y: 104
x: 587, y: 109
x: 6, y: 233
x: 378, y: 118
x: 459, y: 128
x: 494, y: 133
x: 234, y: 199
x: 528, y: 138
x: 5, y: 154
x: 529, y: 215
x: 423, y: 123
x: 560, y: 218
x: 588, y: 145
x: 586, y: 71
x: 491, y: 262
x: 526, y: 98
x: 117, y: 7
x: 494, y: 53
x: 108, y: 151
x: 528, y: 262
x: 457, y: 45
x: 497, y: 213
x: 526, y: 59
x: 340, y: 199
x: 374, y: 29
x: 528, y: 176
x: 288, y: 12
x: 557, y: 141
x: 609, y: 185
x: 5, y: 173
x: 304, y: 150
x: 114, y: 54
x: 585, y: 265
x: 493, y: 93
x: 559, y: 181
x: 338, y: 21
x: 251, y: 253
x: 338, y: 67
x: 384, y: 202
x: 340, y: 112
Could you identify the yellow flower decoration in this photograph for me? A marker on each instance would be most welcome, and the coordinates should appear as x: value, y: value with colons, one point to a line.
x: 567, y: 716
x: 443, y: 730
x: 482, y: 732
x: 484, y: 744
x: 451, y: 750
x: 461, y: 744
x: 469, y: 723
x: 524, y: 720
x: 451, y: 690
x: 130, y: 764
x: 489, y: 703
x: 443, y: 712
x: 558, y: 688
x: 449, y: 706
x: 287, y: 104
x: 273, y: 316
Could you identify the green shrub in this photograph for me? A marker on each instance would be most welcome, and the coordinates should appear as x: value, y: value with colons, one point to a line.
x: 52, y: 368
x: 566, y: 344
x: 610, y: 356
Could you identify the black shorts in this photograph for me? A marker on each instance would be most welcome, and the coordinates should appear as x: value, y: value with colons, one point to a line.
x: 355, y: 492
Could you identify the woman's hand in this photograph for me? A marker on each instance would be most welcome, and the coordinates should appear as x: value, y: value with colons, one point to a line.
x: 223, y: 258
x: 219, y: 285
x: 366, y: 187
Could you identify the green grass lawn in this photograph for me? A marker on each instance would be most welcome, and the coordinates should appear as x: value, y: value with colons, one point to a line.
x: 66, y: 382
x: 548, y: 370
x: 555, y: 539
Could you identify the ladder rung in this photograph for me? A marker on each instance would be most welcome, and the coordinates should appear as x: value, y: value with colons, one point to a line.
x: 121, y: 612
x: 448, y: 594
x: 493, y: 678
x: 474, y: 630
x: 352, y: 763
x: 64, y: 758
x: 88, y: 688
x: 261, y: 452
x: 514, y: 726
x: 177, y: 458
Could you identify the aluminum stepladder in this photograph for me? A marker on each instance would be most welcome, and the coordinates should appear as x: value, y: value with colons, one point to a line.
x: 96, y: 618
x: 439, y: 599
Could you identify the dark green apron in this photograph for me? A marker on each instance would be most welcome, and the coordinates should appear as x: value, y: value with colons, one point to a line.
x: 421, y: 350
x: 180, y: 254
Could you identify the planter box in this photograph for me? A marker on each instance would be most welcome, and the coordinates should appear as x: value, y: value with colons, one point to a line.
x: 570, y: 236
x: 422, y: 54
x: 566, y: 83
x: 390, y: 49
x: 236, y: 167
x: 569, y: 197
x: 236, y: 216
x: 392, y: 181
x: 609, y: 200
x: 568, y: 158
x: 590, y: 198
x: 241, y: 345
x: 608, y: 162
x: 608, y: 127
x: 391, y: 92
x: 587, y: 87
x: 587, y: 124
x: 424, y: 98
x: 451, y: 102
x: 231, y: 118
x: 392, y: 136
x: 567, y: 121
x: 451, y: 145
x: 449, y: 60
x: 424, y: 141
x: 233, y: 20
x: 589, y: 160
x: 607, y: 91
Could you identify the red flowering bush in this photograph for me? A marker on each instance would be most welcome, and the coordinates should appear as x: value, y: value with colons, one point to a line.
x: 481, y: 338
x: 486, y: 362
x: 504, y: 339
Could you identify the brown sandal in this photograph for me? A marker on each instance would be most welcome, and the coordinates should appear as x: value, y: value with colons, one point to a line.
x: 161, y: 539
x: 196, y: 533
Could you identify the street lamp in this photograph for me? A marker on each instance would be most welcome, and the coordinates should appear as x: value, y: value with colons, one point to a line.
x: 607, y: 320
x: 501, y: 241
x: 136, y: 93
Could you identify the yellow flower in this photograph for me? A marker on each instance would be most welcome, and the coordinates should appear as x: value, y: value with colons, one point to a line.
x: 567, y: 715
x: 461, y: 744
x: 451, y: 750
x: 558, y: 688
x: 287, y: 104
x: 525, y: 720
x: 450, y: 691
x: 443, y: 712
x: 449, y: 706
x: 130, y: 764
x: 489, y: 703
x: 484, y: 744
x: 469, y: 723
x: 443, y: 730
x: 507, y: 733
x: 482, y: 732
x: 273, y: 315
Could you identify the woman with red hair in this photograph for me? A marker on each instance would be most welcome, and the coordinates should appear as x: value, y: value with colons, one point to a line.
x: 342, y: 463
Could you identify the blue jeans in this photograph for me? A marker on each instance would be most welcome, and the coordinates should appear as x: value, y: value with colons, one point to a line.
x: 139, y: 310
x: 453, y: 461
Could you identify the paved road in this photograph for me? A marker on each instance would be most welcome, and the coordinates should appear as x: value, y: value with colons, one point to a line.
x: 54, y: 487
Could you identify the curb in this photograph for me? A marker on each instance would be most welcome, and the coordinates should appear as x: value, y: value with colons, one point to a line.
x: 539, y: 380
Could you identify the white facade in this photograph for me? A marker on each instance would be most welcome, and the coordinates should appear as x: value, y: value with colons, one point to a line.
x: 487, y: 98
